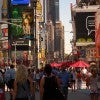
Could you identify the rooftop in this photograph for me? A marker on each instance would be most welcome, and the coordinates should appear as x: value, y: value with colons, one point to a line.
x: 90, y: 8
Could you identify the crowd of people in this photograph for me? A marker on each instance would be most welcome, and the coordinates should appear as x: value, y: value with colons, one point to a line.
x: 23, y: 82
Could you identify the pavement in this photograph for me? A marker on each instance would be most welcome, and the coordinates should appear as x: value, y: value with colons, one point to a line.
x: 82, y: 94
x: 77, y: 95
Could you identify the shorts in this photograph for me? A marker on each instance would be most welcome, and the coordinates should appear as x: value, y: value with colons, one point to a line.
x: 10, y: 84
x: 73, y: 81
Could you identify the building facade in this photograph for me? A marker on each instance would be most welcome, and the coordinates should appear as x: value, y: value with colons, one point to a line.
x: 52, y: 15
x: 83, y: 19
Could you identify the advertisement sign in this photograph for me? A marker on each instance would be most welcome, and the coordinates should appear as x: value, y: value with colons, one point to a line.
x: 97, y: 33
x: 4, y: 9
x: 27, y: 22
x: 4, y: 30
x: 97, y: 27
x: 1, y: 4
x: 20, y: 2
x: 39, y: 11
x: 5, y: 44
x: 20, y: 45
x: 23, y: 23
x: 16, y: 29
x: 85, y: 26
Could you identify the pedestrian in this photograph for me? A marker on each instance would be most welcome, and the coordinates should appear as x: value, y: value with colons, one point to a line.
x: 93, y: 85
x: 64, y: 77
x: 98, y: 84
x: 73, y: 81
x: 9, y: 78
x: 87, y: 80
x: 23, y: 85
x: 84, y: 72
x: 79, y: 80
x: 48, y: 85
x: 2, y: 86
x: 37, y: 77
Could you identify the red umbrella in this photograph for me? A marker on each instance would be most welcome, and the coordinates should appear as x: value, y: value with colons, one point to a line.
x: 54, y: 64
x: 66, y: 63
x: 80, y: 64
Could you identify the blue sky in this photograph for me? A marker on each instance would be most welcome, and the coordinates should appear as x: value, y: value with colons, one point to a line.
x: 65, y: 17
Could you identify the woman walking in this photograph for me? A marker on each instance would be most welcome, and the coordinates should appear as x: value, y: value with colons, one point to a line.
x: 93, y: 86
x: 79, y: 80
x: 23, y: 85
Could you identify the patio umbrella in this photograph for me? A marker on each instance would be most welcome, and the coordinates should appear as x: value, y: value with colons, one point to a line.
x: 54, y: 64
x: 67, y: 64
x: 80, y: 64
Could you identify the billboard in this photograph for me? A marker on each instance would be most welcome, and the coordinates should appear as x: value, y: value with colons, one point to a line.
x: 16, y: 30
x: 20, y: 45
x: 85, y: 26
x: 4, y: 30
x: 5, y: 44
x: 22, y: 20
x: 20, y: 2
x: 27, y: 19
x: 97, y: 33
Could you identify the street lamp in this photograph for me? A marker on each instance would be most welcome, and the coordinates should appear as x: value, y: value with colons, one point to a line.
x: 15, y: 44
x: 34, y: 5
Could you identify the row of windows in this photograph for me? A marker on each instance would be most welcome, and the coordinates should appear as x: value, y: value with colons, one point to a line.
x: 91, y: 53
x: 88, y: 2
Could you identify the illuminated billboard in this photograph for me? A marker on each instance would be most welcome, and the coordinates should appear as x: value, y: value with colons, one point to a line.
x: 85, y: 26
x: 16, y: 29
x: 20, y: 2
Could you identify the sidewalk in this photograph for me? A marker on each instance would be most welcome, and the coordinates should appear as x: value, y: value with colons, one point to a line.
x: 79, y: 95
x: 82, y: 94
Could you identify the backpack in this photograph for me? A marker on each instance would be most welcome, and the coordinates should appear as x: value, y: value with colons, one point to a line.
x: 50, y: 84
x: 51, y: 90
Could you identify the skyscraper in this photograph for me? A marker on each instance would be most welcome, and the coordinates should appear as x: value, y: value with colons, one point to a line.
x: 52, y: 10
x: 52, y: 15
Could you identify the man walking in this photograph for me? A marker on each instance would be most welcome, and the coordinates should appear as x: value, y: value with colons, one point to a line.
x: 64, y: 77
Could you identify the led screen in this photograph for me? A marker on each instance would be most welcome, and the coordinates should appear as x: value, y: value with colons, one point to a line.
x: 20, y: 2
x: 85, y: 26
